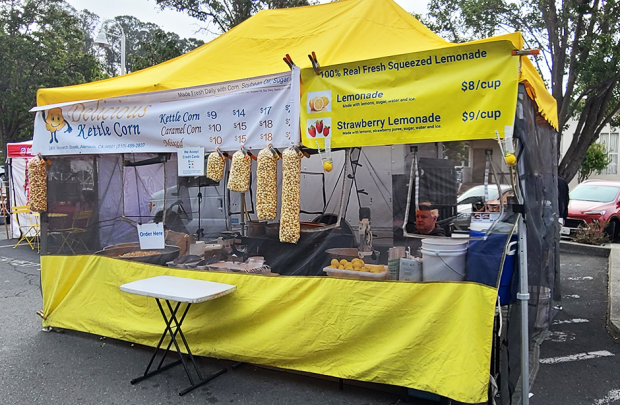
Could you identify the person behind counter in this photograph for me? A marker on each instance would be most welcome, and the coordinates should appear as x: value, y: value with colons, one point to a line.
x: 426, y: 220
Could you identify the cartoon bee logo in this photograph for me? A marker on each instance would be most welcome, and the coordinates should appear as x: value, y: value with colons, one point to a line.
x: 55, y: 122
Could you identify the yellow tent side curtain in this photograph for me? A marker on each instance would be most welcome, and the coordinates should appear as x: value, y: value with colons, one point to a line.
x: 455, y: 93
x: 547, y: 105
x: 434, y: 337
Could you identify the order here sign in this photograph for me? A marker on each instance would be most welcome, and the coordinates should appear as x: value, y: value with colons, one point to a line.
x: 151, y: 236
x: 459, y: 93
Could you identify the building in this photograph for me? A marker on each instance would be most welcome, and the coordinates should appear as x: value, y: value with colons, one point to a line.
x: 610, y: 137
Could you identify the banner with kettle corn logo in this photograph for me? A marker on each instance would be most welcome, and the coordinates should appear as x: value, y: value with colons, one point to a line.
x: 459, y: 93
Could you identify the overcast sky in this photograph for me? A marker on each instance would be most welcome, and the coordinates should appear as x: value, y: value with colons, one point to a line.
x: 184, y: 26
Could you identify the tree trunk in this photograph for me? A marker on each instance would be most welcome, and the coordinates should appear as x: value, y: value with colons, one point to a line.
x: 591, y: 122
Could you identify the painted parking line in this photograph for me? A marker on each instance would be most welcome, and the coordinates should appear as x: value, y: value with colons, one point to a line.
x: 584, y: 278
x: 577, y: 357
x: 567, y: 321
x: 613, y: 396
x: 559, y: 336
x: 17, y: 262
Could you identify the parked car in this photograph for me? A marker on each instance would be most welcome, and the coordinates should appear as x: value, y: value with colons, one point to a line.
x: 595, y: 200
x: 475, y: 195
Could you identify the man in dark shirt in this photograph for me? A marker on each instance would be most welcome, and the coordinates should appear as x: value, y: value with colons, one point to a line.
x: 426, y: 220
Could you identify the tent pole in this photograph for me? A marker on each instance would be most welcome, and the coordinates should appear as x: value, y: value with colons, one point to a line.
x: 524, y: 296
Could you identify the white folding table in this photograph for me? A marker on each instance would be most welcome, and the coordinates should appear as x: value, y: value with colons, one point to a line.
x: 179, y: 290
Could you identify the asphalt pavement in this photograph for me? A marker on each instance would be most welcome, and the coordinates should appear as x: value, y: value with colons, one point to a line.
x: 580, y: 360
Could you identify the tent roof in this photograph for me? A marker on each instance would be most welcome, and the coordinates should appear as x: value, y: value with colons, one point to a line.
x: 338, y: 32
x: 19, y: 149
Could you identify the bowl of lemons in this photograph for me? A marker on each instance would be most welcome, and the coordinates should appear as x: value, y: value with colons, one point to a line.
x: 356, y: 269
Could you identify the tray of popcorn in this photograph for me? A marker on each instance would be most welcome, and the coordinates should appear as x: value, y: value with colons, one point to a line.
x: 134, y: 253
x: 356, y: 269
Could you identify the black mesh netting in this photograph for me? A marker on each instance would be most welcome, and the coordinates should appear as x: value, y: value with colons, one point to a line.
x: 538, y: 181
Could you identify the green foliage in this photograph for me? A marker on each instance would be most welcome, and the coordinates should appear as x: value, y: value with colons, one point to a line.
x: 146, y: 44
x: 457, y: 151
x: 42, y: 44
x: 580, y: 54
x: 595, y: 160
x: 226, y: 14
x: 160, y: 47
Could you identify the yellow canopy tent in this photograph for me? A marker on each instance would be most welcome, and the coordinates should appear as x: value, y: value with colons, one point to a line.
x: 437, y: 343
x: 339, y: 32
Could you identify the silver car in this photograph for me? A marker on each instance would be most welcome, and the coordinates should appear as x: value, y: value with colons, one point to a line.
x: 474, y: 195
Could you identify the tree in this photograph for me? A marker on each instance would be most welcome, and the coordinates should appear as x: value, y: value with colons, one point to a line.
x: 457, y: 151
x: 41, y: 45
x: 226, y: 14
x: 160, y: 47
x: 146, y: 44
x: 580, y: 44
x: 595, y: 160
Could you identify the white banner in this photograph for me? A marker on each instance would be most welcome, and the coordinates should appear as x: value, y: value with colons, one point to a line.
x: 252, y: 112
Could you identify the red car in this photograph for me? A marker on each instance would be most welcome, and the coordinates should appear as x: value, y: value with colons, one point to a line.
x: 594, y: 200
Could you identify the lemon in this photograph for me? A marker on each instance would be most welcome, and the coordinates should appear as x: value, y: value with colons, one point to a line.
x: 311, y: 103
x: 377, y: 269
x: 343, y: 261
x: 510, y: 159
x: 318, y: 104
x: 325, y: 101
x: 335, y: 262
x: 327, y: 166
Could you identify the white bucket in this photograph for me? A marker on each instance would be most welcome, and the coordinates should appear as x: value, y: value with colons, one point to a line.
x: 443, y: 260
x: 445, y: 244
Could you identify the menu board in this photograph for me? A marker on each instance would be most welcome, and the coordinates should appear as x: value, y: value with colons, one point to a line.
x: 459, y: 93
x: 254, y: 112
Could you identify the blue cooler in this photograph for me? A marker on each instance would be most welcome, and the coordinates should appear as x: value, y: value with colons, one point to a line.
x: 505, y: 293
x: 483, y: 261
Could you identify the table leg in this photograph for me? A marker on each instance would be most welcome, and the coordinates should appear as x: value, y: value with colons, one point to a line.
x: 173, y: 340
x: 175, y: 331
x: 159, y: 368
x: 189, y: 352
x: 173, y: 335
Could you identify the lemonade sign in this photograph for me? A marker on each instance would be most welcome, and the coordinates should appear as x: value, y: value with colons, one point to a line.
x: 460, y: 93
